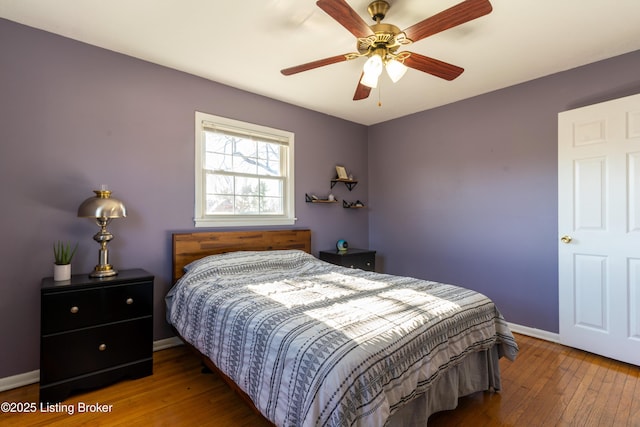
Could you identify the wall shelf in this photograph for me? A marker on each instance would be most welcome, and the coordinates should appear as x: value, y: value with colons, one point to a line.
x: 310, y: 199
x: 350, y: 183
x: 353, y: 205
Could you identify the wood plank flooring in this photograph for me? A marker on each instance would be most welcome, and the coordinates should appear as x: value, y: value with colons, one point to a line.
x: 548, y: 385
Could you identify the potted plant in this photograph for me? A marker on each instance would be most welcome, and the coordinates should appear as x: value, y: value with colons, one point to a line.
x: 63, y: 254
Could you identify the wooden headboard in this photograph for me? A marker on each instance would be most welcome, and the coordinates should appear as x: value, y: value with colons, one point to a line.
x: 188, y: 247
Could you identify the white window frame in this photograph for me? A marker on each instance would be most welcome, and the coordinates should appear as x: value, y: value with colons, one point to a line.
x: 200, y: 217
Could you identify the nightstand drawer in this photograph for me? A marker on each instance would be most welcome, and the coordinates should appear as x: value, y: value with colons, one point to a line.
x: 352, y: 258
x: 83, y: 308
x: 363, y: 261
x: 93, y: 349
x: 70, y: 310
x: 128, y: 302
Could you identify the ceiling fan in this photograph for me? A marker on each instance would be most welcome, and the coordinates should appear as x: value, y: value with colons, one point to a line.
x: 380, y: 42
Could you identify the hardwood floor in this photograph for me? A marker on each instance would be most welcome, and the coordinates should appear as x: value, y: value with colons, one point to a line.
x: 553, y: 385
x: 548, y: 385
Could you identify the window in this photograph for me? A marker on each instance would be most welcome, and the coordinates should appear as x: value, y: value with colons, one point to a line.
x: 244, y: 174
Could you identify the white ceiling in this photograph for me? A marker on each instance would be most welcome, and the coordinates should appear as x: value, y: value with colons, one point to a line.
x: 245, y: 43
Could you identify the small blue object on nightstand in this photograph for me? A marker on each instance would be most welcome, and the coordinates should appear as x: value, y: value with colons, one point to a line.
x: 342, y: 245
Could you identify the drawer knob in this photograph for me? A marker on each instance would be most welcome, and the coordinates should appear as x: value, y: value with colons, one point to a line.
x: 102, y: 347
x: 129, y: 301
x: 74, y: 309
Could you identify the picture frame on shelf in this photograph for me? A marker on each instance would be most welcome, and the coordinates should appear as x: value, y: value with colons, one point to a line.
x: 342, y: 172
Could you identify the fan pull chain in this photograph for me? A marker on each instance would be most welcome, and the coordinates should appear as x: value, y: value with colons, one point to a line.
x: 379, y: 100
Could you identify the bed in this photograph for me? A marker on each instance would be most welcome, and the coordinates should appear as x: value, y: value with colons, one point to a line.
x: 308, y: 343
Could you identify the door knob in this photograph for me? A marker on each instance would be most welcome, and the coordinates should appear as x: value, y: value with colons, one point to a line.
x: 566, y: 239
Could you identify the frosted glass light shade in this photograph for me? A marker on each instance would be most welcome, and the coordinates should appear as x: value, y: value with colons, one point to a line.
x: 369, y: 80
x: 373, y: 65
x: 372, y: 70
x: 395, y: 69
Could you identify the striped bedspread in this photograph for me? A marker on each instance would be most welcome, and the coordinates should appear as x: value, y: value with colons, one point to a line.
x: 314, y: 344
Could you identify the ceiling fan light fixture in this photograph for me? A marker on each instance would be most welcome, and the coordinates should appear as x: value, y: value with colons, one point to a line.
x: 373, y: 66
x: 395, y: 69
x: 380, y: 43
x: 369, y: 80
x: 372, y: 70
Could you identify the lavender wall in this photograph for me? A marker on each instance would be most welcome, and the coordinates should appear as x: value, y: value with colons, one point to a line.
x: 467, y: 193
x: 73, y: 117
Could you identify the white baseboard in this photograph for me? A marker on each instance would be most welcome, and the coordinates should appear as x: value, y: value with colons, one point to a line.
x: 535, y: 333
x: 166, y: 343
x: 19, y: 380
x: 32, y: 377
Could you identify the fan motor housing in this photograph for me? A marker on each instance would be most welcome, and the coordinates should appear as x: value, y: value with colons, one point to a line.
x: 384, y: 36
x: 378, y: 9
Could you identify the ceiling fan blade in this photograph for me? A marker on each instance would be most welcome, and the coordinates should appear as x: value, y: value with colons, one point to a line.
x: 362, y: 91
x: 433, y: 66
x: 346, y: 16
x: 315, y: 64
x: 463, y: 12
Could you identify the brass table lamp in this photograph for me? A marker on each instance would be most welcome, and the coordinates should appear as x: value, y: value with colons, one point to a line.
x: 103, y: 208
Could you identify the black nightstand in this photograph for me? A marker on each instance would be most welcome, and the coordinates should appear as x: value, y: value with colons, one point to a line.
x: 94, y: 332
x: 352, y: 258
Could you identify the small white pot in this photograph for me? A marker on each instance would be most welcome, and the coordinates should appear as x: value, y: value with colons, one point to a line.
x: 61, y: 272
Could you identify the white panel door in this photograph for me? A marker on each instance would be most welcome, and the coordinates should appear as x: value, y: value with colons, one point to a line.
x: 599, y: 226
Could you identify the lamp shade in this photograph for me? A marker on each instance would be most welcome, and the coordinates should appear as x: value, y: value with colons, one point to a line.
x: 369, y: 80
x: 395, y: 69
x: 372, y: 70
x: 102, y: 206
x: 373, y: 65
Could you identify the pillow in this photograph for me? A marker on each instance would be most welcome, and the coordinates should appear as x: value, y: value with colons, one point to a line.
x: 242, y: 261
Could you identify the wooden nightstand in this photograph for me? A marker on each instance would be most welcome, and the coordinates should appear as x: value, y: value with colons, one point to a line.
x: 352, y: 258
x: 94, y: 332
